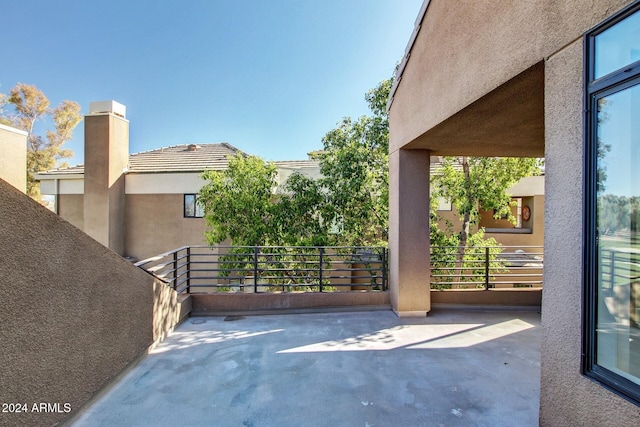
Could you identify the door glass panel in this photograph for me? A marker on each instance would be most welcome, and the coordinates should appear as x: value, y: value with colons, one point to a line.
x: 618, y: 224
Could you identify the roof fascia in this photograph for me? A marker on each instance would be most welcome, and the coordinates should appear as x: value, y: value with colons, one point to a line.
x: 407, y: 51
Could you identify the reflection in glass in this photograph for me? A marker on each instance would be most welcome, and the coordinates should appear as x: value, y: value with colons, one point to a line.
x: 199, y: 209
x: 618, y: 46
x: 189, y: 205
x: 618, y: 222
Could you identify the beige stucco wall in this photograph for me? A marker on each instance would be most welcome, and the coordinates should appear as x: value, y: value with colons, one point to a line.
x: 465, y: 49
x: 536, y: 223
x: 13, y: 160
x: 73, y: 313
x: 71, y: 208
x: 155, y: 224
x: 567, y: 397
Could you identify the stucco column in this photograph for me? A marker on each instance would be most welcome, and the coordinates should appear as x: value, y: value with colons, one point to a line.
x: 409, y: 232
x: 106, y: 155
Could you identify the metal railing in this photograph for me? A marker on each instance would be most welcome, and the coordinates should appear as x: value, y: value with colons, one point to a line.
x: 487, y: 267
x: 618, y: 266
x: 271, y: 268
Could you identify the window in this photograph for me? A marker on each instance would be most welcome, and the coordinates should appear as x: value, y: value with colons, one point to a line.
x: 192, y: 209
x: 612, y: 204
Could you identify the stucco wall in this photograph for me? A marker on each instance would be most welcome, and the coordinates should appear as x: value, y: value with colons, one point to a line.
x: 567, y: 397
x: 106, y: 157
x: 13, y: 160
x: 71, y: 208
x: 73, y: 313
x: 468, y: 56
x: 467, y: 48
x: 155, y: 224
x: 536, y: 223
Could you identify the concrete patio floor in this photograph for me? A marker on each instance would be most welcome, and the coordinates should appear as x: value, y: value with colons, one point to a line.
x: 453, y: 368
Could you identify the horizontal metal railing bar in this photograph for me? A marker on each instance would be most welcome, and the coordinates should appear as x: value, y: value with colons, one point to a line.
x: 283, y: 269
x: 272, y: 267
x: 486, y: 267
x: 157, y: 257
x: 498, y: 275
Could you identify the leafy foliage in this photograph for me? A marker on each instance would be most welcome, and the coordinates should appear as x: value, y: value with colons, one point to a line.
x: 241, y: 206
x: 471, y: 183
x: 238, y: 202
x: 43, y: 153
x: 355, y: 168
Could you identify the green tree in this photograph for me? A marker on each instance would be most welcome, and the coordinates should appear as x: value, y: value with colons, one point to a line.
x: 301, y: 202
x: 43, y: 153
x: 471, y: 183
x: 238, y: 202
x: 352, y: 195
x: 354, y: 164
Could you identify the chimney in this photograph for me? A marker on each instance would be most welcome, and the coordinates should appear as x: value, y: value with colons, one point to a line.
x: 106, y: 156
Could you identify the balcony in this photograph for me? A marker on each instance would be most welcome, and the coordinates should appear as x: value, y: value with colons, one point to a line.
x: 366, y: 368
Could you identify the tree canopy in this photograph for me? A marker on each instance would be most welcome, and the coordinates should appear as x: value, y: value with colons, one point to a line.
x: 349, y: 204
x: 30, y: 105
x: 351, y: 197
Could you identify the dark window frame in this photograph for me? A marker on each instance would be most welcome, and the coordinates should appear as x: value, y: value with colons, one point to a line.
x: 594, y: 89
x: 195, y: 207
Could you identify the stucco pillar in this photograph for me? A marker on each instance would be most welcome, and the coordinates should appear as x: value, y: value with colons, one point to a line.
x: 13, y: 160
x: 409, y: 232
x: 106, y: 154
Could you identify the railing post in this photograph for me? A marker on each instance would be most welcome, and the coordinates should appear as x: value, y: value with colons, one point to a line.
x: 188, y: 269
x: 384, y: 269
x: 175, y: 270
x: 321, y: 249
x: 255, y: 268
x: 486, y: 268
x: 612, y: 275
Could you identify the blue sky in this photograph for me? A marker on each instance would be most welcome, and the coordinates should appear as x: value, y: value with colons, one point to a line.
x: 268, y: 76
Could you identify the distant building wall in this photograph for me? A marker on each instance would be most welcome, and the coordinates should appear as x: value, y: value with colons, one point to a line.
x: 509, y: 235
x: 71, y: 208
x: 13, y: 160
x: 74, y: 313
x: 535, y: 224
x: 155, y: 223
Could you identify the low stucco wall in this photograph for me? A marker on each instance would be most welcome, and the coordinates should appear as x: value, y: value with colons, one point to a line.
x: 219, y: 303
x: 74, y: 314
x: 493, y: 297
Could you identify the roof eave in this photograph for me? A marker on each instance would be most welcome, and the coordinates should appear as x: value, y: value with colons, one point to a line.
x: 407, y: 51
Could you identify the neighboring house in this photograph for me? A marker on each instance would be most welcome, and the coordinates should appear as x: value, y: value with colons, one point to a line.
x: 528, y: 196
x: 558, y: 79
x: 148, y: 204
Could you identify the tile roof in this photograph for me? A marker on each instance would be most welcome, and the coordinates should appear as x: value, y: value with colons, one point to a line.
x: 297, y: 164
x: 183, y: 158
